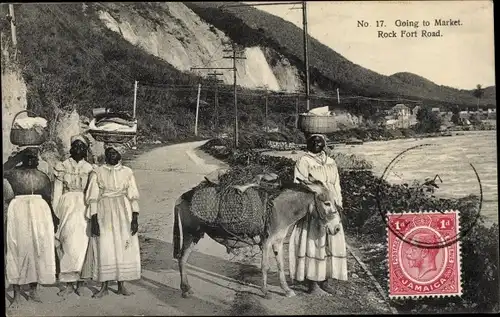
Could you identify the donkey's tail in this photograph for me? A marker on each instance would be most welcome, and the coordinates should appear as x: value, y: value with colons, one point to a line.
x: 178, y: 234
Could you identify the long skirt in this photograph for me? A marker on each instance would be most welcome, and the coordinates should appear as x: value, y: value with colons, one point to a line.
x: 118, y: 255
x: 316, y: 255
x: 72, y: 237
x: 30, y: 241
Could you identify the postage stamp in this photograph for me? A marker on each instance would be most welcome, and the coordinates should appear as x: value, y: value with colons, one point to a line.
x: 423, y: 263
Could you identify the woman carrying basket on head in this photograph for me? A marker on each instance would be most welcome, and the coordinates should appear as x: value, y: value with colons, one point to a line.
x: 31, y: 223
x: 112, y: 197
x: 69, y: 205
x: 315, y: 254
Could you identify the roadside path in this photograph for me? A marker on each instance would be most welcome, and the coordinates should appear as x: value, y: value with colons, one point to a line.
x: 222, y: 285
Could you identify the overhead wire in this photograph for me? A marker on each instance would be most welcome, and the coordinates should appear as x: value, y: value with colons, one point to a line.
x: 186, y: 87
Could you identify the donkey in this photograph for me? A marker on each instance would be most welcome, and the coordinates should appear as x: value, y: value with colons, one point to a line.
x: 293, y: 203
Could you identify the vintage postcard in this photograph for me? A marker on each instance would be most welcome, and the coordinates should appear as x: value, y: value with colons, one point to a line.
x: 249, y: 158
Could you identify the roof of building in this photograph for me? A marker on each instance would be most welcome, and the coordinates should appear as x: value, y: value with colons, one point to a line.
x: 400, y: 106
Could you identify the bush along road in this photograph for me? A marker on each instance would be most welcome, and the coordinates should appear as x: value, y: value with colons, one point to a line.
x: 224, y: 284
x: 366, y: 229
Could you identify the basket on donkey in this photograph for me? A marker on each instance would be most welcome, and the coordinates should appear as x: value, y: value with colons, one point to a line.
x: 234, y: 212
x: 29, y: 136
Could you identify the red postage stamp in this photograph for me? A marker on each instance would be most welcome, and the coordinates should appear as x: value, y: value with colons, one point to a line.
x: 424, y: 254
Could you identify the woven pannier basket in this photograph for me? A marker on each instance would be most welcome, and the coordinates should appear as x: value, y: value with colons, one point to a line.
x: 317, y: 124
x: 27, y: 137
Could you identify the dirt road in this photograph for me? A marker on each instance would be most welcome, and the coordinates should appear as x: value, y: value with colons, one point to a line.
x: 222, y: 285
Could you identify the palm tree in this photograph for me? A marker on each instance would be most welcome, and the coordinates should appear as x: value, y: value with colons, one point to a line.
x: 478, y: 93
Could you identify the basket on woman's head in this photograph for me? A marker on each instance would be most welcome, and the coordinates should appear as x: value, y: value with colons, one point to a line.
x: 28, y: 131
x: 112, y: 127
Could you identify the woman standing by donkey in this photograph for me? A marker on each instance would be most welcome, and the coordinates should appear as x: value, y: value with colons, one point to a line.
x: 71, y: 179
x: 316, y: 254
x: 112, y: 197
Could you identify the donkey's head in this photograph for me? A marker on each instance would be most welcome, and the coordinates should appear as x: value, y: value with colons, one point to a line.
x: 324, y: 208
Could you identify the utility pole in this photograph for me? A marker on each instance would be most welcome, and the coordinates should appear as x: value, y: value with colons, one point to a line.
x: 135, y: 107
x: 304, y: 24
x: 213, y: 68
x: 197, y: 110
x: 135, y: 98
x: 338, y: 96
x: 216, y: 97
x: 297, y: 112
x: 306, y: 54
x: 234, y: 58
x: 12, y: 19
x: 267, y: 117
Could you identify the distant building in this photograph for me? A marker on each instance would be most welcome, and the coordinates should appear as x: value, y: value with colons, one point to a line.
x: 399, y: 117
x: 391, y: 124
x: 435, y: 109
x: 464, y: 114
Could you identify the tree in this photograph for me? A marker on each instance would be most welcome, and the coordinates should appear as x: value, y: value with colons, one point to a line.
x: 478, y: 93
x: 455, y: 118
x: 428, y: 121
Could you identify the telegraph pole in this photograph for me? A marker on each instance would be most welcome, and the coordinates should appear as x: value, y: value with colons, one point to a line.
x: 306, y: 54
x: 297, y: 112
x: 304, y: 27
x: 266, y: 122
x: 234, y: 58
x: 213, y: 68
x: 216, y: 97
x: 267, y: 117
x: 197, y: 110
x: 12, y: 19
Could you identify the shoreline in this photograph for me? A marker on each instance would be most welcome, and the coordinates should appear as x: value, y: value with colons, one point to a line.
x: 367, y: 229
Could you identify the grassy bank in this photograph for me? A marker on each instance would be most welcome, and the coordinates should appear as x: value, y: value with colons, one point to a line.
x: 364, y: 222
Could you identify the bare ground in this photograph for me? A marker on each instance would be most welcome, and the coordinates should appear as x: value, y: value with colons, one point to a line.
x: 224, y: 284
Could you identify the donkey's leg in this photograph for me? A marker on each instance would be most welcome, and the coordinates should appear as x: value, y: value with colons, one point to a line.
x: 266, y: 248
x: 187, y: 248
x: 278, y: 253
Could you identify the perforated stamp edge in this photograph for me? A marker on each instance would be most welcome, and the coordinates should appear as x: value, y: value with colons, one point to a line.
x: 459, y: 256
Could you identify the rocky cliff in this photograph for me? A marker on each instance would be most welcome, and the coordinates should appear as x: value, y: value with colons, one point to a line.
x: 177, y: 35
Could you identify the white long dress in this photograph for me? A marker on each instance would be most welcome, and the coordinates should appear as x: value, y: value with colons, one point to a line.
x: 314, y: 254
x: 29, y: 236
x: 72, y: 236
x: 113, y: 196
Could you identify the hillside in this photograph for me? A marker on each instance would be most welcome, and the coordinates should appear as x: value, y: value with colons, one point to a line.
x: 490, y: 93
x: 86, y: 55
x: 329, y: 70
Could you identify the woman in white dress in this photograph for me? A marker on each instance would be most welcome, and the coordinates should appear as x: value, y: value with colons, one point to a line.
x: 72, y: 238
x: 315, y: 255
x: 112, y: 197
x: 31, y: 222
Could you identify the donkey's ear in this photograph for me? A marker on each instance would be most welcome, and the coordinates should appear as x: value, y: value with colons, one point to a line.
x: 300, y: 181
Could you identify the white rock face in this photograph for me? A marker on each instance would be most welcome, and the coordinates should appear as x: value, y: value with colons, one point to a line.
x: 68, y: 125
x: 185, y: 41
x: 13, y: 101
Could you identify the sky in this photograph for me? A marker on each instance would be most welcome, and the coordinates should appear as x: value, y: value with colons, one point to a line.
x: 462, y: 57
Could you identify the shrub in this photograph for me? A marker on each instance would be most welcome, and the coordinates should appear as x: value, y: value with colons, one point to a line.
x: 361, y: 189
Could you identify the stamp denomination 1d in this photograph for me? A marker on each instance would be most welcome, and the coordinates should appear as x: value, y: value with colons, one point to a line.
x: 423, y: 263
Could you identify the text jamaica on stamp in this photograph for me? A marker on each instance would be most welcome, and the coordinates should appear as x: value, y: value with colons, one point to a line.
x: 424, y: 263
